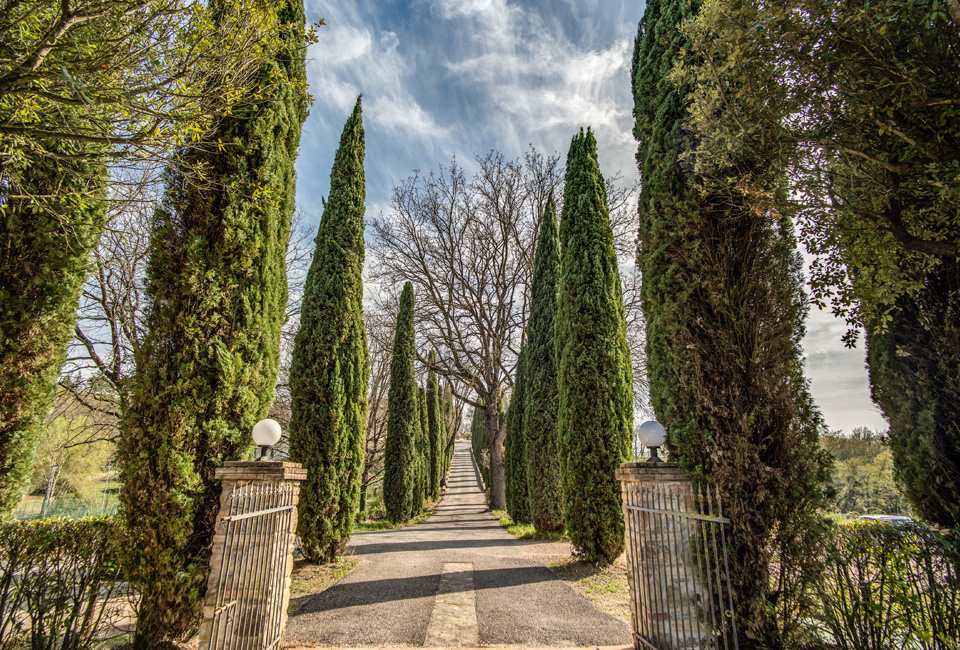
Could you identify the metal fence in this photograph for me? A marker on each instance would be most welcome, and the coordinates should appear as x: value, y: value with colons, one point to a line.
x: 250, y: 566
x: 676, y: 541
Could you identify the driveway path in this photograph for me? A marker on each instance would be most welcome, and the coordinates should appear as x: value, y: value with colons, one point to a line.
x: 459, y: 579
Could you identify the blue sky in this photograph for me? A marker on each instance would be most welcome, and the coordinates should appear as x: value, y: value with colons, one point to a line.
x: 445, y: 78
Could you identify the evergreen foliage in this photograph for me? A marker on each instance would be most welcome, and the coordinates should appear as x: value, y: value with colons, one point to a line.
x: 724, y: 307
x: 515, y: 447
x: 873, y: 178
x: 435, y: 426
x: 403, y: 419
x: 422, y: 452
x: 542, y: 399
x: 206, y: 370
x: 330, y: 363
x: 595, y: 374
x: 45, y: 246
x: 915, y: 376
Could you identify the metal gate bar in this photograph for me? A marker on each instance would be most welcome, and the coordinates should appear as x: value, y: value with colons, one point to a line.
x: 681, y: 597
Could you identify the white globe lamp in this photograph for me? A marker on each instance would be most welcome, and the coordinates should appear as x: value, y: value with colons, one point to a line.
x: 266, y: 433
x: 652, y: 435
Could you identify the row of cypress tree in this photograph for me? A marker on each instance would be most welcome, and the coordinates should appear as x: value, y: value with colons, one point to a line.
x: 570, y: 420
x: 414, y: 462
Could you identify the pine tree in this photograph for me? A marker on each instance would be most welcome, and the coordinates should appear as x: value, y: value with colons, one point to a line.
x: 206, y: 370
x: 515, y: 447
x: 45, y: 246
x: 403, y: 419
x: 542, y: 400
x: 330, y: 363
x: 435, y: 425
x: 595, y: 377
x: 724, y: 307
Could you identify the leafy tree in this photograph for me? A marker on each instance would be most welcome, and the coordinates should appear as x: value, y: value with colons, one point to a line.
x: 44, y: 254
x: 542, y: 400
x: 435, y: 427
x: 403, y: 420
x: 515, y: 447
x: 330, y: 364
x: 133, y: 79
x: 851, y: 99
x: 595, y: 377
x: 863, y: 480
x: 725, y: 306
x: 206, y: 371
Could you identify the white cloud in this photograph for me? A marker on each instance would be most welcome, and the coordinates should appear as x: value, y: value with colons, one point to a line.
x: 354, y: 58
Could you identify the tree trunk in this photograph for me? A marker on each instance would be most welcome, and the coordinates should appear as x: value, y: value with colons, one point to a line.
x: 498, y: 487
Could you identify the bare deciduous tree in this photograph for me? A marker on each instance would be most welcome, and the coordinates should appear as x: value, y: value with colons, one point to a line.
x: 468, y: 248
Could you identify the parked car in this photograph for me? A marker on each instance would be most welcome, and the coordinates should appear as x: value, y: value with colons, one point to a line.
x: 886, y: 519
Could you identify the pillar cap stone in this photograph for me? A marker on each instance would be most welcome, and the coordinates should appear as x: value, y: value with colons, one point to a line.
x: 642, y: 472
x: 262, y: 470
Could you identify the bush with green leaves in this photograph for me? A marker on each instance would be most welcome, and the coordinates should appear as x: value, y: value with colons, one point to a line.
x: 889, y: 586
x: 60, y: 583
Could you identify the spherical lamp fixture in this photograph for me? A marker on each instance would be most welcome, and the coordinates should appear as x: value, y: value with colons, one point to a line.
x: 652, y: 435
x: 266, y: 433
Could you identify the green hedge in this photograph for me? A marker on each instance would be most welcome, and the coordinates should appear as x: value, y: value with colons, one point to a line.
x: 59, y: 583
x: 889, y: 586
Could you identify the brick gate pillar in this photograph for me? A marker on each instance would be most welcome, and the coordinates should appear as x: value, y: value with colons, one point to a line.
x: 248, y: 590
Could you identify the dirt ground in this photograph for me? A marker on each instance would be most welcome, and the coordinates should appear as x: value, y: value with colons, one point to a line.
x: 313, y: 578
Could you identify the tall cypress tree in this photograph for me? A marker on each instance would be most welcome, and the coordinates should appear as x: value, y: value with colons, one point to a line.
x: 403, y: 420
x: 45, y: 245
x: 423, y: 452
x: 724, y: 306
x: 435, y: 424
x: 330, y: 363
x: 542, y: 399
x: 595, y: 377
x: 515, y: 447
x: 206, y: 371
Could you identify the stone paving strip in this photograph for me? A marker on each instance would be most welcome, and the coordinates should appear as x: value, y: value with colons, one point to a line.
x: 454, y: 619
x: 457, y: 580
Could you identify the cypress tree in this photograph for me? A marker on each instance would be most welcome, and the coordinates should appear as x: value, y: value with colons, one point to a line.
x: 330, y: 362
x: 915, y: 379
x: 595, y: 377
x: 435, y: 425
x: 542, y: 399
x: 423, y: 451
x: 399, y: 458
x: 724, y: 306
x: 206, y: 370
x: 45, y: 245
x: 515, y: 448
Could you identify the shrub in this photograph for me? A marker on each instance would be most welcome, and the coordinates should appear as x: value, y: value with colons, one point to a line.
x: 59, y: 583
x: 890, y: 587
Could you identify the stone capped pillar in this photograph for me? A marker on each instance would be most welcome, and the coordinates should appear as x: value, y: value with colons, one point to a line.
x: 248, y: 590
x: 666, y: 602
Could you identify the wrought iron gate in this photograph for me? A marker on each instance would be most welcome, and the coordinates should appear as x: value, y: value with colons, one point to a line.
x: 679, y: 572
x: 248, y: 589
